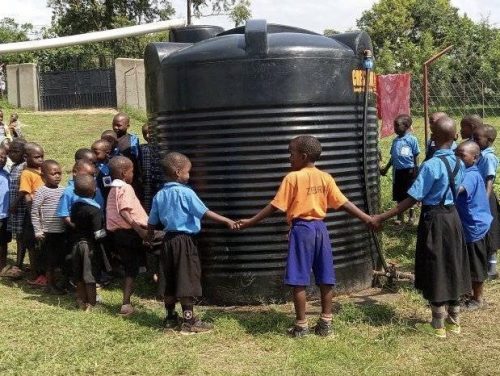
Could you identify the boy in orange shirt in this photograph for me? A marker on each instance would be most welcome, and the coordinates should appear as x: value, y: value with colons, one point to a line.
x: 29, y: 182
x: 304, y: 195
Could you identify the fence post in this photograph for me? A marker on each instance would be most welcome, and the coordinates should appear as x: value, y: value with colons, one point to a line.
x: 426, y: 88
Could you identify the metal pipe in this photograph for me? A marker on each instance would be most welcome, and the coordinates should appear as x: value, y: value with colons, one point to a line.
x: 426, y: 89
x: 97, y: 36
x: 189, y: 10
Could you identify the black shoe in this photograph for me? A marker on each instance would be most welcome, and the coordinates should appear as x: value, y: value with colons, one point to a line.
x: 298, y: 331
x: 323, y: 328
x: 474, y: 305
x: 172, y: 322
x: 197, y: 326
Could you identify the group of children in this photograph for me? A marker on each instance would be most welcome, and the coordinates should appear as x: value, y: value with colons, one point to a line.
x: 116, y: 206
x: 458, y: 232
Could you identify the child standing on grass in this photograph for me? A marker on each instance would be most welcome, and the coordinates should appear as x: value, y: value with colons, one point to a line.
x: 29, y: 182
x: 179, y: 210
x: 474, y: 210
x: 87, y: 219
x: 15, y: 126
x: 5, y: 235
x: 127, y: 221
x: 442, y: 271
x: 102, y: 150
x: 17, y: 205
x: 49, y: 228
x: 128, y: 146
x: 467, y: 126
x: 404, y: 159
x: 304, y: 195
x: 151, y: 173
x: 485, y: 135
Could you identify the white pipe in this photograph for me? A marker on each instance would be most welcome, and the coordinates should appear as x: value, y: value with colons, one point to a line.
x: 97, y: 36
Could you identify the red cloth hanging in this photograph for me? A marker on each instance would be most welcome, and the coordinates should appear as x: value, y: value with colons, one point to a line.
x: 393, y: 99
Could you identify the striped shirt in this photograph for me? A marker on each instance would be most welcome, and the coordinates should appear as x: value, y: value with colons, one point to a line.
x: 15, y: 223
x: 43, y: 211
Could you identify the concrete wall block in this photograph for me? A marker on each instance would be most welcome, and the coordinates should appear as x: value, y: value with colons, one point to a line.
x: 12, y: 85
x: 130, y: 83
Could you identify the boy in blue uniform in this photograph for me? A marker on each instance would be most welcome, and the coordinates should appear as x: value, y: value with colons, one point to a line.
x: 474, y: 211
x: 128, y: 146
x: 431, y: 148
x: 305, y: 195
x: 179, y: 210
x: 5, y: 235
x: 485, y: 135
x: 467, y: 126
x: 404, y: 159
x: 441, y: 261
x: 102, y: 150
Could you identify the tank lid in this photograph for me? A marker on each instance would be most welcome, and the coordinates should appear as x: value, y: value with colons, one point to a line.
x: 193, y: 33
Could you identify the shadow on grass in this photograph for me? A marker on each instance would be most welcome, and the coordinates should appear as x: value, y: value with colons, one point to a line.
x: 254, y: 323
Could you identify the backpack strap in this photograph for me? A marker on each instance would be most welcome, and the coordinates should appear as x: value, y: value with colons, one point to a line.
x: 451, y: 178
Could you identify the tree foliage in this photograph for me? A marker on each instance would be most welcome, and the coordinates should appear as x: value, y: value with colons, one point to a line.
x: 237, y: 10
x: 11, y: 31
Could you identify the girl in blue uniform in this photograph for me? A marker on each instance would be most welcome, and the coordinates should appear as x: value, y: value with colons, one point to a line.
x: 484, y: 135
x: 404, y: 159
x: 441, y: 262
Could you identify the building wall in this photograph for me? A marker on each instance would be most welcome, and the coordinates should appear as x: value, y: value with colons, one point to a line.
x: 130, y: 83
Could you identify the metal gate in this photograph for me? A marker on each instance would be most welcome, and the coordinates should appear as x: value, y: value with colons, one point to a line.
x: 77, y: 89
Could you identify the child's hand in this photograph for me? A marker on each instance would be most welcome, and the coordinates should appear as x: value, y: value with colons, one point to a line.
x: 383, y: 171
x: 40, y: 236
x: 232, y: 225
x: 375, y: 223
x: 243, y: 224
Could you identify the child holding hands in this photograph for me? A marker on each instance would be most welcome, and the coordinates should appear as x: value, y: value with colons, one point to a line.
x: 304, y: 195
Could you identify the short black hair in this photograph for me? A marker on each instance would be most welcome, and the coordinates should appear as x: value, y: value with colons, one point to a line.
x: 82, y: 164
x: 103, y: 142
x: 173, y: 161
x: 85, y: 186
x: 491, y: 132
x: 471, y: 120
x: 121, y: 115
x: 29, y: 147
x: 404, y: 119
x: 309, y: 145
x: 83, y: 153
x: 18, y: 143
x: 49, y: 163
x: 118, y: 164
x: 469, y: 145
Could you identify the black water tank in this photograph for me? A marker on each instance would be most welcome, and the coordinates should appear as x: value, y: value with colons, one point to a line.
x: 232, y: 104
x: 193, y: 33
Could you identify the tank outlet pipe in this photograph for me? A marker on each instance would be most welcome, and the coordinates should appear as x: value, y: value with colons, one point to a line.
x: 368, y: 67
x: 256, y: 37
x: 97, y: 36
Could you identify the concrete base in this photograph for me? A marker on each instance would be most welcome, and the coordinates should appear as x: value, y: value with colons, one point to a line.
x: 22, y: 86
x: 130, y: 83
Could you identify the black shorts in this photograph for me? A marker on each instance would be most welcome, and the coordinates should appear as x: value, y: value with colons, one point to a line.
x: 403, y: 179
x: 54, y: 250
x: 181, y: 266
x: 478, y: 260
x: 5, y: 236
x: 493, y: 237
x: 28, y: 236
x: 84, y: 258
x: 128, y: 245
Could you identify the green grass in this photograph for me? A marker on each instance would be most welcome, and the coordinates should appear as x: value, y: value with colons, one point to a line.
x: 375, y: 330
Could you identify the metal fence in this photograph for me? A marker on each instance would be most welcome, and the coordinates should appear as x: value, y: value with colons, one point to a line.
x: 459, y: 87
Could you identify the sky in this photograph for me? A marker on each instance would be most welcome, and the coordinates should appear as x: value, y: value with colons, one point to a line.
x: 315, y: 15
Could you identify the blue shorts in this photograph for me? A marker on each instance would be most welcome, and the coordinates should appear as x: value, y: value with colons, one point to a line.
x: 309, y: 249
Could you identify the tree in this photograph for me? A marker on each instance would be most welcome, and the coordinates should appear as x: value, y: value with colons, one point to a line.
x: 330, y: 32
x: 237, y: 10
x: 11, y: 31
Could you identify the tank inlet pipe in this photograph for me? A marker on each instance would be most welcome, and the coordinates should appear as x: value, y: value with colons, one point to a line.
x: 97, y: 36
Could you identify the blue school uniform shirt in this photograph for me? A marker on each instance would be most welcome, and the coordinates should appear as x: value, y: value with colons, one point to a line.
x: 403, y: 151
x: 430, y: 148
x: 69, y: 197
x: 473, y: 206
x: 487, y: 164
x: 178, y: 208
x: 432, y: 182
x: 4, y: 194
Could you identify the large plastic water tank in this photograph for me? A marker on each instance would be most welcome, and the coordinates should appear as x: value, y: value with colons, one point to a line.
x: 232, y: 103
